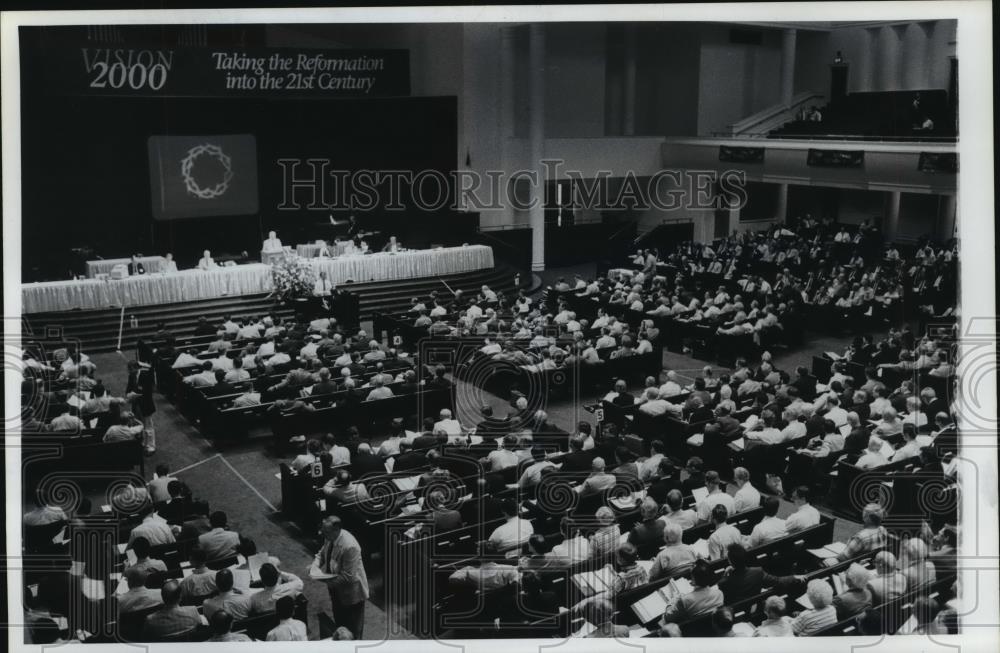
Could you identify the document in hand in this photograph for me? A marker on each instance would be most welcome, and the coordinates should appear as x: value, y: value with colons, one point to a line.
x: 316, y: 574
x: 254, y: 563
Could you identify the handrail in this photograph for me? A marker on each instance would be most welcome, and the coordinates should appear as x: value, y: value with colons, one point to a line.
x: 860, y: 137
x: 778, y: 113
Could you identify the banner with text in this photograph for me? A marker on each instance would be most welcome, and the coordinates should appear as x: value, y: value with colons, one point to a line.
x: 224, y: 71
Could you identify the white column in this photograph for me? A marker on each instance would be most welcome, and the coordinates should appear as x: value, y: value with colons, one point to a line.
x: 787, y: 65
x: 536, y: 132
x: 891, y: 228
x: 505, y: 116
x: 926, y: 54
x: 781, y: 211
x: 628, y: 105
x: 948, y: 217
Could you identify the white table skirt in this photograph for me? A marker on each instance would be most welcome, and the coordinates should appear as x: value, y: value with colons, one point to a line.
x: 254, y: 278
x: 311, y: 250
x: 151, y: 263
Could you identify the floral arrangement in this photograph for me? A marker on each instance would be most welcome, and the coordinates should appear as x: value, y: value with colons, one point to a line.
x: 293, y: 278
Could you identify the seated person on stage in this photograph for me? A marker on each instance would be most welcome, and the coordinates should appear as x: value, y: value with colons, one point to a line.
x: 169, y: 264
x: 207, y: 262
x: 393, y: 245
x: 272, y: 244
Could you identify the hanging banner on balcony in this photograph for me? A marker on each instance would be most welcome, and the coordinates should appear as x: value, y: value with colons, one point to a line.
x: 741, y: 154
x: 836, y: 158
x: 938, y: 162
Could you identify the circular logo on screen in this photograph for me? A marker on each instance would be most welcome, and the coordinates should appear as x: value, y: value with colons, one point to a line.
x: 207, y: 171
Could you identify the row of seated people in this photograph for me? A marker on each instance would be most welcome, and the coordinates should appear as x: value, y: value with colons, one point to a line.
x: 64, y: 404
x: 181, y: 575
x: 630, y: 579
x: 227, y: 387
x: 775, y: 409
x: 776, y: 274
x: 596, y: 478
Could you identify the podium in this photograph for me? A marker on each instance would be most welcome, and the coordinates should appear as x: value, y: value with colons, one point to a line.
x: 270, y: 257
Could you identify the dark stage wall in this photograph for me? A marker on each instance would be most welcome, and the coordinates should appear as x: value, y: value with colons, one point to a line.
x: 86, y: 179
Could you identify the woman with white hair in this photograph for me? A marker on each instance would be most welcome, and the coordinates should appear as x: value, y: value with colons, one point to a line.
x: 872, y: 457
x: 777, y: 623
x: 605, y: 539
x: 856, y: 598
x: 821, y: 615
x: 726, y: 399
x: 890, y: 424
x: 674, y: 556
x: 914, y: 565
x: 888, y: 582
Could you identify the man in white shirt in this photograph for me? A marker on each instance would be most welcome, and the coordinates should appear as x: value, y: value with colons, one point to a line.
x: 379, y: 391
x: 836, y: 414
x: 747, y: 497
x: 272, y: 244
x: 158, y: 486
x: 716, y: 497
x: 222, y: 362
x: 654, y: 406
x: 765, y: 431
x: 203, y: 379
x: 488, y: 295
x: 503, y: 458
x: 671, y: 387
x: 649, y: 467
x: 605, y: 341
x: 289, y: 629
x: 806, y: 516
x: 532, y: 474
x: 598, y: 481
x: 514, y: 533
x: 474, y: 312
x: 910, y: 448
x: 277, y: 585
x: 207, y: 262
x: 447, y: 424
x: 723, y: 535
x: 770, y: 528
x: 872, y: 457
x: 154, y: 528
x: 322, y: 287
x: 67, y: 422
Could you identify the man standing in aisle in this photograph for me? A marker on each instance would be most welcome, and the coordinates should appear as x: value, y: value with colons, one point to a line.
x: 139, y: 391
x: 340, y: 565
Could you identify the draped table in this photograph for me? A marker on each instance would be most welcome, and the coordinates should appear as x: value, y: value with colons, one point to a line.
x: 103, y: 266
x: 311, y: 250
x: 250, y: 279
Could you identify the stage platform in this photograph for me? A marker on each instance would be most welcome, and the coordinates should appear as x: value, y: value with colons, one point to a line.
x: 240, y: 280
x: 97, y: 330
